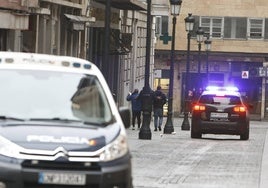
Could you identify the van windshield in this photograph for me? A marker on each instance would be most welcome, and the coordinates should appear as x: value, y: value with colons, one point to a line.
x: 29, y: 94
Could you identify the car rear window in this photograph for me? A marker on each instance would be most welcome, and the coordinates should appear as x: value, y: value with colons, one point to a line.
x: 214, y: 99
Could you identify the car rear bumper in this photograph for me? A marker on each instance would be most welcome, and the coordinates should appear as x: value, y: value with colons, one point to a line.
x: 220, y: 127
x: 117, y: 174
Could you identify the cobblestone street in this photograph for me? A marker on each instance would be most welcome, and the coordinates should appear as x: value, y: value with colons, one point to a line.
x: 221, y: 161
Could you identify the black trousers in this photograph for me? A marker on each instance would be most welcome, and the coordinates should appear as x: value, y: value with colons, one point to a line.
x: 136, y: 115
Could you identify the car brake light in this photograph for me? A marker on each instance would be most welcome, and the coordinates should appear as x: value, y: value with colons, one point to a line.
x: 239, y: 109
x: 199, y: 107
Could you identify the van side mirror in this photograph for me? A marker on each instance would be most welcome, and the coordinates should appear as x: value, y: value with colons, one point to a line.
x: 125, y: 115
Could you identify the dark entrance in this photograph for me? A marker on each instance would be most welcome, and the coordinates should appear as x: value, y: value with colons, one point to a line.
x: 96, y: 54
x: 198, y: 82
x: 3, y: 39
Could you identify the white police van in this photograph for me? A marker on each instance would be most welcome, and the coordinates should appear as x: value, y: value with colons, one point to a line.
x: 59, y: 125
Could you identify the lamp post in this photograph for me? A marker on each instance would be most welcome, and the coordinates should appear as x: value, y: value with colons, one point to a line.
x: 207, y: 43
x: 189, y: 26
x: 199, y: 37
x: 175, y: 11
x: 106, y: 50
x: 146, y: 93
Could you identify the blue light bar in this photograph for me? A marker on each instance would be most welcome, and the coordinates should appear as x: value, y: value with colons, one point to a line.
x: 231, y: 88
x: 87, y: 66
x: 217, y: 88
x: 212, y: 88
x: 76, y: 65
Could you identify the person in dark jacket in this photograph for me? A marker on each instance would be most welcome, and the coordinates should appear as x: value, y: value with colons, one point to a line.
x: 136, y: 107
x: 159, y: 100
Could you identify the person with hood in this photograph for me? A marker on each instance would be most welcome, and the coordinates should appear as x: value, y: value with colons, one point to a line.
x: 136, y: 108
x: 159, y: 100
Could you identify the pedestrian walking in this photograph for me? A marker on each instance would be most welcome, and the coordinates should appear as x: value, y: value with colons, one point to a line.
x: 159, y: 100
x: 136, y: 107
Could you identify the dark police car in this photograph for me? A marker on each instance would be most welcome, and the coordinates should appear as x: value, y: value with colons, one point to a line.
x: 220, y: 110
x: 59, y: 125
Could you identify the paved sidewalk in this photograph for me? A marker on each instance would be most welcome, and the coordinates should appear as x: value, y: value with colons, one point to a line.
x: 149, y: 165
x: 264, y: 171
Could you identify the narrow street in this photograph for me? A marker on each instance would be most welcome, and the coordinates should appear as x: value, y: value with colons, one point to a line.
x: 222, y: 161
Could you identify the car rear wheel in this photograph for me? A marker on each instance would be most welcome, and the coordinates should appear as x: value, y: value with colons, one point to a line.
x: 195, y: 134
x: 194, y: 130
x: 245, y: 135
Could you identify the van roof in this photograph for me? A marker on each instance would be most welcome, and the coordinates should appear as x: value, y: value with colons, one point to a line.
x: 35, y: 59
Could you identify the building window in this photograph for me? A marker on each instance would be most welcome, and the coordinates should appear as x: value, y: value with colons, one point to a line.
x: 212, y: 26
x: 161, y: 25
x: 255, y: 28
x: 235, y: 28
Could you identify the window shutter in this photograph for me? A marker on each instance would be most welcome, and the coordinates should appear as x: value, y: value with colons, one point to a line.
x: 158, y: 25
x: 164, y: 25
x: 266, y: 29
x: 196, y: 25
x: 227, y: 27
x: 241, y: 28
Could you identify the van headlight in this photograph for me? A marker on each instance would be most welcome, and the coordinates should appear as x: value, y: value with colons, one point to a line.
x: 8, y: 148
x: 2, y: 185
x: 116, y: 149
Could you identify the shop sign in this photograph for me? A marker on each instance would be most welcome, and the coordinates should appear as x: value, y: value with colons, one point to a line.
x: 262, y: 71
x: 157, y: 73
x: 244, y: 74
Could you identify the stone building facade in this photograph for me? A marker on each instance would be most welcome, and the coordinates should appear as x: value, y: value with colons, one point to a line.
x: 14, y: 19
x: 76, y: 28
x: 127, y: 46
x: 45, y: 26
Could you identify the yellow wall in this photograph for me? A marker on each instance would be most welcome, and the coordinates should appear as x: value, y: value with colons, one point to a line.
x: 235, y: 8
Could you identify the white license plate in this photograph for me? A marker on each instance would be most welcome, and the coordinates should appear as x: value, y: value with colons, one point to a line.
x: 218, y: 115
x: 62, y: 178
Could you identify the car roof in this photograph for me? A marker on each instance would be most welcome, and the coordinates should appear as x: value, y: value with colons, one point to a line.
x: 222, y: 91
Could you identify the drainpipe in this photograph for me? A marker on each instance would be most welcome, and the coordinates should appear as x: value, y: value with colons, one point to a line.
x: 263, y: 98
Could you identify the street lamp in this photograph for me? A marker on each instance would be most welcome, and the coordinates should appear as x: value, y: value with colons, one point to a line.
x: 189, y: 26
x: 207, y: 43
x: 106, y: 63
x: 146, y: 94
x: 199, y: 37
x: 175, y: 11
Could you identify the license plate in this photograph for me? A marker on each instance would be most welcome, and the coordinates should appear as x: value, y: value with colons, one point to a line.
x: 218, y: 115
x: 62, y: 178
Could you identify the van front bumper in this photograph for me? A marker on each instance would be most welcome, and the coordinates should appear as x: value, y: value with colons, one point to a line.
x: 26, y: 175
